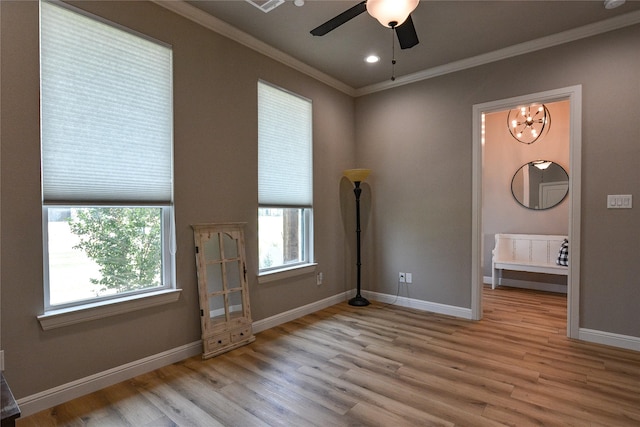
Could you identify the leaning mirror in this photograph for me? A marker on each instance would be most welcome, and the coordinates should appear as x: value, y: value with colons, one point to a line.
x: 540, y: 184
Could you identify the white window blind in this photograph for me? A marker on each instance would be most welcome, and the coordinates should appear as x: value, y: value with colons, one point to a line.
x: 285, y: 160
x: 107, y: 113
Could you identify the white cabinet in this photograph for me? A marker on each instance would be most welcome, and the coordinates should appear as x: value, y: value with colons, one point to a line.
x: 225, y: 313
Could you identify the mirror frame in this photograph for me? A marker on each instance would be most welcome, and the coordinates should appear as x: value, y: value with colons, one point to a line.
x: 532, y: 163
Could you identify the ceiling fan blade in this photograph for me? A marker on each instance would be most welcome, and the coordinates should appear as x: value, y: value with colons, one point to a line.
x: 407, y: 35
x: 335, y: 22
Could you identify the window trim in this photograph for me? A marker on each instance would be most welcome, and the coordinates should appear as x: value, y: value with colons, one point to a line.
x: 168, y: 261
x: 303, y: 200
x: 285, y: 273
x: 99, y: 310
x: 56, y: 316
x: 307, y: 247
x: 293, y: 270
x: 69, y: 313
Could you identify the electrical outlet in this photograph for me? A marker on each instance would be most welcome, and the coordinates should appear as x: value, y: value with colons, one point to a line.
x: 401, y: 277
x: 409, y: 277
x: 319, y: 278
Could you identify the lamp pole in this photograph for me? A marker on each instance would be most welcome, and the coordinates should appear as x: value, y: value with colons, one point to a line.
x: 358, y: 300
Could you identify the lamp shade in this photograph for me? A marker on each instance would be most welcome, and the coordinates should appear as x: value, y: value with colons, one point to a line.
x: 357, y: 175
x: 391, y: 13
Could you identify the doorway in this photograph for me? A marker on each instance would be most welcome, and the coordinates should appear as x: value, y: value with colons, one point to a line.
x: 573, y: 95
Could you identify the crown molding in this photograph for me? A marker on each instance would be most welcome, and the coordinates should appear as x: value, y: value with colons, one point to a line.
x: 200, y: 17
x: 210, y: 22
x: 585, y: 31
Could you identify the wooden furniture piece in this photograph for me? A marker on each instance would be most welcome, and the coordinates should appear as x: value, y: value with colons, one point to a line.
x: 10, y: 410
x: 222, y: 284
x: 535, y: 253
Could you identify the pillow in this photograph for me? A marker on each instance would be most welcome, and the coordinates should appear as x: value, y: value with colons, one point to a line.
x: 563, y: 255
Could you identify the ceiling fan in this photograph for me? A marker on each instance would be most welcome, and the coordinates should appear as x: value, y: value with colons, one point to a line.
x: 390, y: 13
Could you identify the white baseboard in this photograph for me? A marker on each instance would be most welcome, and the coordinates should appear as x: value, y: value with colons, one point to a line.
x: 290, y: 315
x: 46, y: 399
x: 589, y: 335
x: 63, y: 393
x: 433, y: 307
x: 525, y: 284
x: 609, y: 338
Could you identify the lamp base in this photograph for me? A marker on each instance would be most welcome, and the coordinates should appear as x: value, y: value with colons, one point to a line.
x: 359, y: 301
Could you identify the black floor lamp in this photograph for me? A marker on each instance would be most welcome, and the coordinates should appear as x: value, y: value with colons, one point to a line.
x: 357, y: 176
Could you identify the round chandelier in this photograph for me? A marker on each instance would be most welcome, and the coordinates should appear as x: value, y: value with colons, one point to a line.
x: 528, y: 124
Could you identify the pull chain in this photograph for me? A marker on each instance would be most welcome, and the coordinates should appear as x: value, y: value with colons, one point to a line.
x: 393, y: 54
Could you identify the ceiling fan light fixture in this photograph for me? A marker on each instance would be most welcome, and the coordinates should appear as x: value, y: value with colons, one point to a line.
x: 391, y: 13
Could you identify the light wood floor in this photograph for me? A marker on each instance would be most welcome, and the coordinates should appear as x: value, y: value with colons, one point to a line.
x: 386, y: 366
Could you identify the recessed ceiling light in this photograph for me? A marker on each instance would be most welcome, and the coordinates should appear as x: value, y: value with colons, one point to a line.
x: 372, y: 59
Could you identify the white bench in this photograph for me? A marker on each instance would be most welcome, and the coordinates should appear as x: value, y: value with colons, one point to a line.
x: 533, y: 253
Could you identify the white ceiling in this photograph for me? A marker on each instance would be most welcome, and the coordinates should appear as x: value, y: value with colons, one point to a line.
x: 448, y: 31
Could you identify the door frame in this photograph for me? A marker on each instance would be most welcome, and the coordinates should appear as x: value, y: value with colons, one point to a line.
x: 574, y: 95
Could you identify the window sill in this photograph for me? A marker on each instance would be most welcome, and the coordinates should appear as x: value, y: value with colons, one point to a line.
x: 85, y: 313
x: 284, y: 273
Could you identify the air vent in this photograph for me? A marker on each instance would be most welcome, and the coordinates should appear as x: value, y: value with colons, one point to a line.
x: 266, y: 5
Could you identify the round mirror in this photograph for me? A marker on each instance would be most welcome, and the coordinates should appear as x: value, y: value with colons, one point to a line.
x: 540, y: 184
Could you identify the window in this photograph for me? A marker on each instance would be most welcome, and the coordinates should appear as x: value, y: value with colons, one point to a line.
x: 285, y: 179
x: 107, y: 160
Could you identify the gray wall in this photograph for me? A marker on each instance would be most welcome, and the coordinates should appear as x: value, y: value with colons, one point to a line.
x: 418, y: 141
x: 416, y: 207
x: 215, y: 93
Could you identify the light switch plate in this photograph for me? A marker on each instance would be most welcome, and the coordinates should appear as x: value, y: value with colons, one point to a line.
x: 619, y: 201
